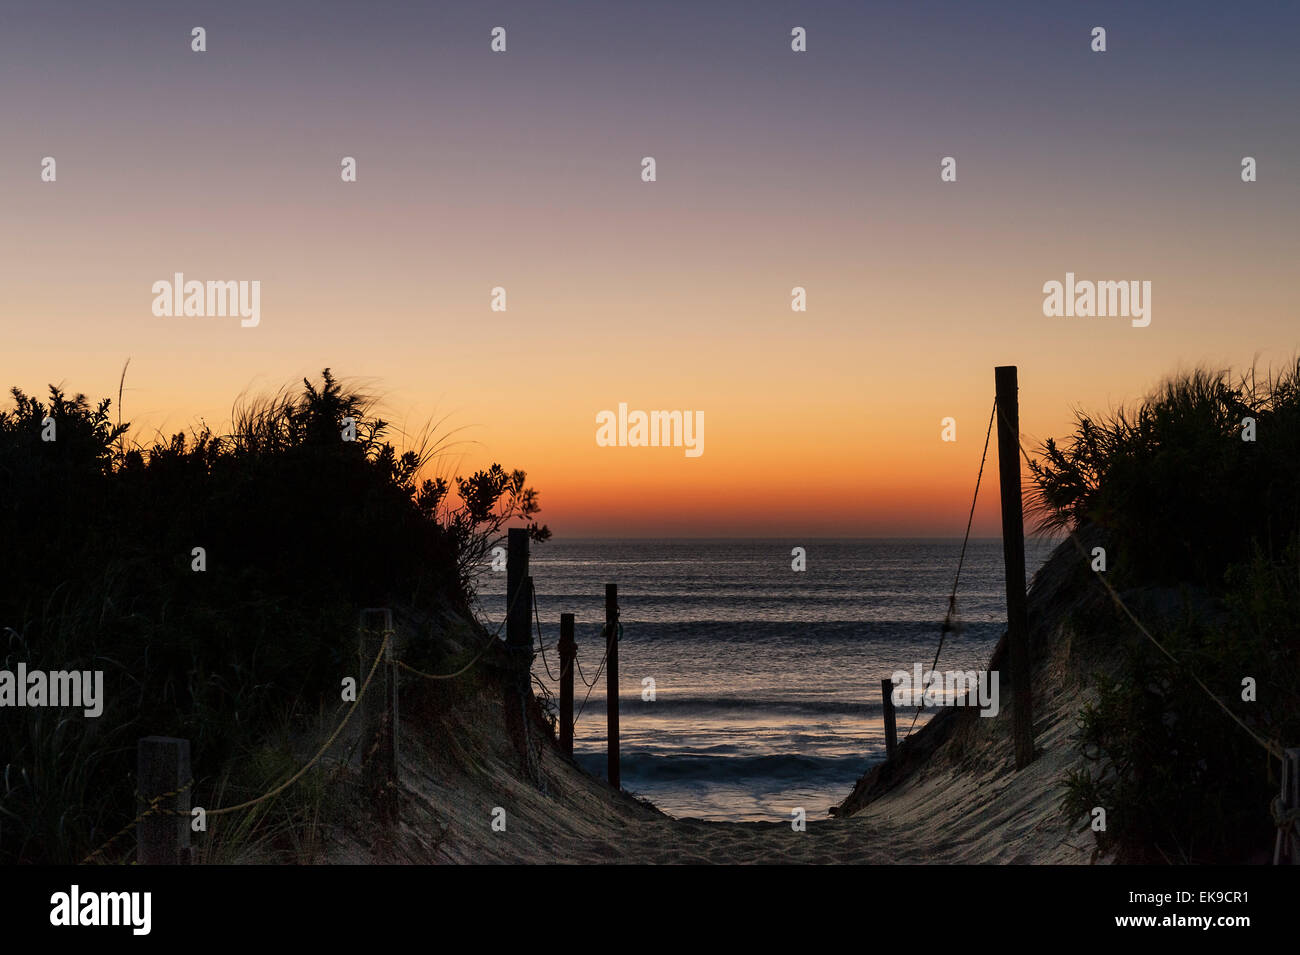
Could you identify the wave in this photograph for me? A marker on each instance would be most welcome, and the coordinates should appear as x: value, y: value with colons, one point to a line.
x: 673, y: 706
x: 649, y: 767
x: 795, y: 631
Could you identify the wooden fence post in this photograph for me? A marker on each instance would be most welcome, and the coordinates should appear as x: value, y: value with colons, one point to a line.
x: 1013, y: 555
x: 394, y: 723
x: 519, y: 631
x: 568, y: 648
x: 1288, y: 840
x: 379, y: 708
x: 891, y: 726
x: 163, y: 770
x: 611, y: 673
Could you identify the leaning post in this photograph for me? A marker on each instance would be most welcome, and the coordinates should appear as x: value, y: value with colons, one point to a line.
x: 1013, y: 557
x: 891, y: 725
x: 611, y: 673
x: 568, y: 648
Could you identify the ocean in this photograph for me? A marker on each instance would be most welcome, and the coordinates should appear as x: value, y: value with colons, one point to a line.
x: 766, y: 680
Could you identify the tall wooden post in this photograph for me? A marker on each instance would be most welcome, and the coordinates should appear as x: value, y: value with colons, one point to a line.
x: 891, y: 726
x: 568, y: 653
x: 519, y: 632
x: 611, y: 673
x: 1013, y: 555
x: 163, y: 774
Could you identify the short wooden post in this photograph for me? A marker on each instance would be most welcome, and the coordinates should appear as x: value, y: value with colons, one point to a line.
x: 519, y: 633
x: 1013, y: 556
x: 379, y: 708
x: 1287, y: 845
x: 163, y: 774
x: 891, y: 726
x: 611, y: 673
x: 394, y: 723
x: 568, y: 654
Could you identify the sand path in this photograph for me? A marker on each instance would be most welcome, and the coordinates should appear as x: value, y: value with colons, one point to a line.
x: 966, y: 806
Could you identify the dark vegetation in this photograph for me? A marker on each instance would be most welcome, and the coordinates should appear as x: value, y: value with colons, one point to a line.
x: 300, y: 529
x: 1202, y: 537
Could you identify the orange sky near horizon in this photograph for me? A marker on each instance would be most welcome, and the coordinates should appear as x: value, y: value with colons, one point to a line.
x: 774, y: 171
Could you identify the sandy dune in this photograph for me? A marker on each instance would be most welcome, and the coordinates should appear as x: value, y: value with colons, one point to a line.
x: 953, y: 796
x: 965, y: 805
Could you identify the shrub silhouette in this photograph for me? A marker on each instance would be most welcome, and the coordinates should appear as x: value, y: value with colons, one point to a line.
x: 300, y: 528
x: 1188, y: 510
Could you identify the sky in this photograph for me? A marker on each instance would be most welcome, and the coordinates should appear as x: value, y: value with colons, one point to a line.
x: 774, y: 169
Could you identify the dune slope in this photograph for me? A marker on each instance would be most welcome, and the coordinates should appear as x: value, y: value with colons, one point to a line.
x: 953, y: 797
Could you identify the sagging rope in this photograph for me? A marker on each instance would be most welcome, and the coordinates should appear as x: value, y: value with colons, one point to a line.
x: 952, y: 597
x: 604, y: 657
x: 478, y: 656
x: 1271, y: 746
x: 155, y: 809
x: 582, y: 676
x: 538, y: 621
x: 152, y: 808
x: 383, y: 645
x: 532, y: 756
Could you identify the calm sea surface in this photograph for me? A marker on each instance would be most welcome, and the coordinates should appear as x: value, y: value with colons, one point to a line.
x: 766, y: 680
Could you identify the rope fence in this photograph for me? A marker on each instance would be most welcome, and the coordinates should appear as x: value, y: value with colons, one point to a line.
x: 154, y: 805
x: 478, y: 656
x: 1284, y: 809
x: 540, y: 643
x: 1272, y: 747
x: 154, y: 808
x: 952, y: 597
x: 596, y: 679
